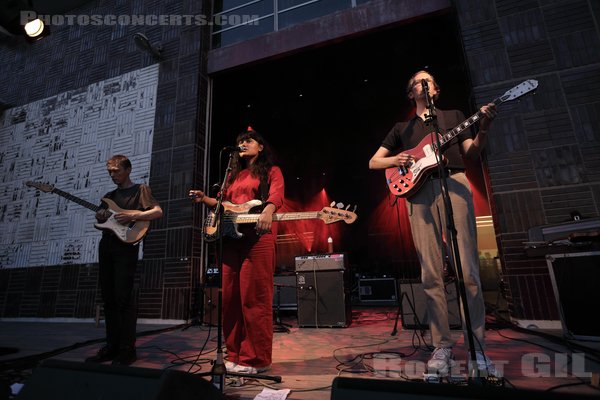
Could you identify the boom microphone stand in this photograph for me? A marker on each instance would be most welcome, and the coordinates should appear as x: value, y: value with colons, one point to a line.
x: 474, y: 374
x: 218, y: 371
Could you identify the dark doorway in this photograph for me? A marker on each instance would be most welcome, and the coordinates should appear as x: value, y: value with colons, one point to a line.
x: 325, y: 111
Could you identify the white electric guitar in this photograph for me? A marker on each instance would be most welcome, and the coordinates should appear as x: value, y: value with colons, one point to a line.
x: 248, y: 212
x: 130, y: 233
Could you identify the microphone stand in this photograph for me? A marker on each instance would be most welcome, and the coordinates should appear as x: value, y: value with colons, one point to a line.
x: 219, y: 371
x: 280, y: 326
x: 431, y: 118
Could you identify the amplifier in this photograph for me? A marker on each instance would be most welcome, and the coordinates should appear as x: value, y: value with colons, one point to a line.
x: 575, y: 278
x: 413, y: 306
x: 377, y: 291
x: 321, y: 262
x: 323, y: 299
x: 287, y: 298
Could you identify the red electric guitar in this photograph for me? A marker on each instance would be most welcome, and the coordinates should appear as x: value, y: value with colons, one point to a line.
x: 406, y: 181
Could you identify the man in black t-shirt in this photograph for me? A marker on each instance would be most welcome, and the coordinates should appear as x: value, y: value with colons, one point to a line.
x: 118, y: 261
x: 427, y: 217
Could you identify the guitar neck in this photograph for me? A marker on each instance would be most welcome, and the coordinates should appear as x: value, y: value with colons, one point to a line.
x: 75, y: 199
x: 291, y: 216
x: 448, y: 136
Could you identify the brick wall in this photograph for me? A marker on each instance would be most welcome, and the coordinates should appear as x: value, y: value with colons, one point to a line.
x: 543, y: 152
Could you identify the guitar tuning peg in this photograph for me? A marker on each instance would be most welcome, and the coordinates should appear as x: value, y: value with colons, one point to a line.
x: 332, y: 204
x: 340, y: 205
x: 347, y: 207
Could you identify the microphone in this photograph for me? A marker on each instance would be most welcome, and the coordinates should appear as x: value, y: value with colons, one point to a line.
x: 429, y: 102
x: 234, y: 148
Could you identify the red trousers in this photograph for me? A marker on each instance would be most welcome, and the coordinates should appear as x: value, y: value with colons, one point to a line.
x: 247, y: 282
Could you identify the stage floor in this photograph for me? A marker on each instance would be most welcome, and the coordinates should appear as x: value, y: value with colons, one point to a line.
x: 308, y: 359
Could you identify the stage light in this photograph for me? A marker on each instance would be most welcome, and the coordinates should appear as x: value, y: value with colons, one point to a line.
x: 143, y: 43
x: 34, y: 28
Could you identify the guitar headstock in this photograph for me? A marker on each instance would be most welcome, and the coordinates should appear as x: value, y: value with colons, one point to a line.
x: 44, y: 187
x: 332, y: 214
x: 520, y: 90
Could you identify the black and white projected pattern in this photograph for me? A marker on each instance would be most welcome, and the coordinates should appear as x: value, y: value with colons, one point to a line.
x: 65, y: 141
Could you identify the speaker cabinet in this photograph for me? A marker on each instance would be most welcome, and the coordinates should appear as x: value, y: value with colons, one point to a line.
x: 575, y: 278
x: 322, y: 299
x: 392, y: 389
x: 286, y: 299
x: 414, y: 310
x: 377, y: 291
x: 68, y: 380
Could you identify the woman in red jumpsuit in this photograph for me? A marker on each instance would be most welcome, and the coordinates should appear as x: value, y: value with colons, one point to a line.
x: 249, y: 262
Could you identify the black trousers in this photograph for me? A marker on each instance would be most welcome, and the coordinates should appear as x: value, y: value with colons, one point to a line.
x: 118, y: 262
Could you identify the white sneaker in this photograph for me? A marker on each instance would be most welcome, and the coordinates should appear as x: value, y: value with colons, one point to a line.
x: 246, y: 369
x: 441, y: 361
x: 484, y: 364
x: 230, y: 366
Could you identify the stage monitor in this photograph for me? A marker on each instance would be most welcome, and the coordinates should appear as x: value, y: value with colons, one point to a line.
x: 388, y: 389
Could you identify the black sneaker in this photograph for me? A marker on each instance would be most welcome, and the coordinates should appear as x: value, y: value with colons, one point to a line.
x: 105, y: 353
x: 126, y: 356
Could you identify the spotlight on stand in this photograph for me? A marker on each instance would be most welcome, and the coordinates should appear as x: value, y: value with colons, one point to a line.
x: 143, y: 43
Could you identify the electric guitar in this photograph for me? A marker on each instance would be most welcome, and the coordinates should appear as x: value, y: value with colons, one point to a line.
x: 405, y: 181
x: 246, y: 213
x: 131, y: 233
